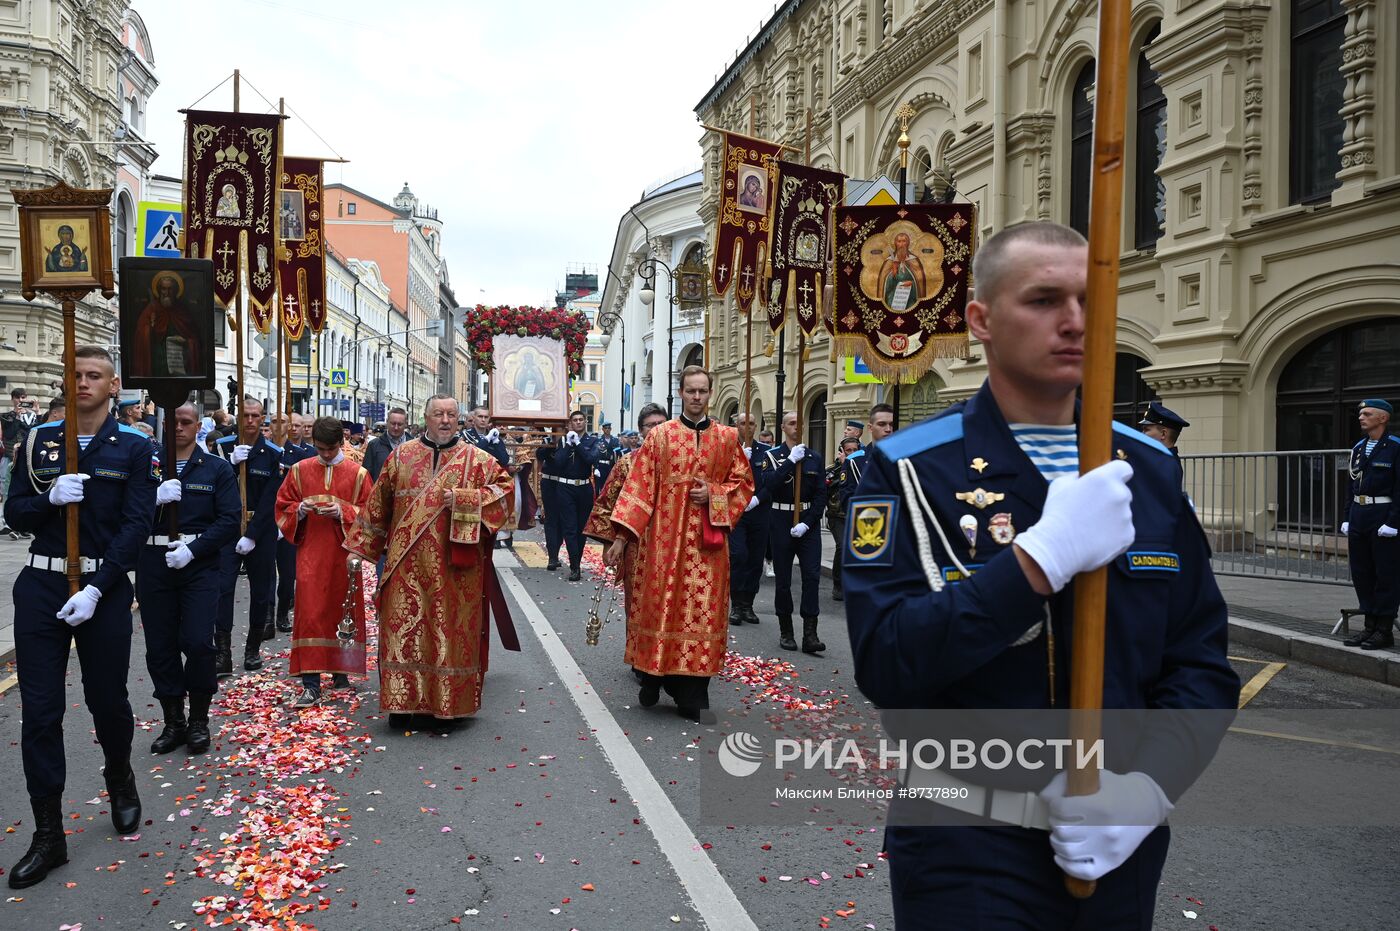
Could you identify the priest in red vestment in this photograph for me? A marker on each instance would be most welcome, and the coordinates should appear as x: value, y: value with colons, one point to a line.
x: 686, y: 487
x: 319, y: 501
x: 433, y: 513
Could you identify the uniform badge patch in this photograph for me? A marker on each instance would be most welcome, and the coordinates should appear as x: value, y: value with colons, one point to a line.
x: 1152, y: 561
x: 870, y: 526
x: 1001, y: 529
x: 980, y: 497
x: 953, y: 575
x: 968, y: 525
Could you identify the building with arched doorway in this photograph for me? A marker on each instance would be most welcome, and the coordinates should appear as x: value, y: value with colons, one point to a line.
x: 1260, y: 284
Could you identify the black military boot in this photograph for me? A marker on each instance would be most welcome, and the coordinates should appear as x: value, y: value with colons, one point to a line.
x: 785, y: 638
x: 269, y: 628
x: 197, y: 740
x: 736, y: 609
x: 1383, y: 638
x: 1361, y: 636
x: 252, y: 655
x: 284, y: 620
x: 748, y: 608
x: 810, y: 642
x: 574, y: 574
x: 223, y: 653
x: 48, y: 849
x: 174, y: 734
x: 121, y: 795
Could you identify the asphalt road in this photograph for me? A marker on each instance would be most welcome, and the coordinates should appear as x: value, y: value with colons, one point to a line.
x: 563, y: 804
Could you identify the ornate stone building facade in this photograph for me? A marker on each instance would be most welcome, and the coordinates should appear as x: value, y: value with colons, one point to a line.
x: 59, y: 115
x: 1260, y: 289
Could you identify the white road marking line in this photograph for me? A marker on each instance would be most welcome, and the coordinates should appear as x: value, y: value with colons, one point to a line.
x: 709, y: 893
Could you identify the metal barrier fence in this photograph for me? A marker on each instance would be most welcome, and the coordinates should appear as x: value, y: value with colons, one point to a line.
x: 1274, y: 515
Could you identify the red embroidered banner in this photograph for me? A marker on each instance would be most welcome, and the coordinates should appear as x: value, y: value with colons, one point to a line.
x: 232, y: 169
x: 748, y: 173
x: 902, y: 277
x: 301, y: 265
x: 802, y: 243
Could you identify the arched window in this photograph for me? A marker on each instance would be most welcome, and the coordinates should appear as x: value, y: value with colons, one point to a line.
x: 1130, y: 393
x: 1320, y: 387
x: 920, y: 166
x: 125, y: 233
x: 1150, y: 193
x: 816, y: 423
x: 694, y: 356
x: 1081, y: 148
x: 1315, y: 126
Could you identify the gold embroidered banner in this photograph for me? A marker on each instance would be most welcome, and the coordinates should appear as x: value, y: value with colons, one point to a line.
x: 902, y: 279
x: 301, y: 264
x: 748, y: 172
x: 232, y: 170
x: 802, y: 243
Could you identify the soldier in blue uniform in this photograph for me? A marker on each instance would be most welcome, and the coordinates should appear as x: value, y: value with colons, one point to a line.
x: 840, y: 485
x: 566, y: 485
x: 297, y: 448
x: 487, y: 438
x: 610, y: 450
x: 178, y: 580
x: 114, y: 488
x: 749, y: 540
x: 261, y: 461
x: 1371, y: 525
x: 802, y: 539
x: 962, y: 542
x: 1164, y: 425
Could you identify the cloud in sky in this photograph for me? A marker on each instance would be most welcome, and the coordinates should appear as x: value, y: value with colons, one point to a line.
x: 531, y: 127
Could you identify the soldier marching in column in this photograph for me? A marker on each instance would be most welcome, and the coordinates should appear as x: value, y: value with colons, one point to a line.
x: 801, y: 539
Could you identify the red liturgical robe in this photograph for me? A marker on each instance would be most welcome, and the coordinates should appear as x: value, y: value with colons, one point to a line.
x: 321, y: 574
x: 678, y: 621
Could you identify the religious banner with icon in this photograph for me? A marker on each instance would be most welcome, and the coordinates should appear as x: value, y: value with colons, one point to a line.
x: 166, y: 323
x: 902, y: 279
x: 802, y: 243
x: 301, y: 262
x: 748, y: 173
x: 232, y: 170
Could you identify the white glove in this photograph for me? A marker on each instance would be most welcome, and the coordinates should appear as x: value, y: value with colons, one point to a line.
x: 179, y: 556
x: 240, y: 453
x: 80, y: 607
x: 68, y: 489
x: 571, y: 439
x: 748, y: 453
x: 1099, y: 499
x: 798, y: 530
x: 1346, y: 526
x: 494, y: 436
x: 1093, y: 834
x: 1386, y: 531
x: 798, y: 453
x: 753, y: 503
x: 169, y: 491
x: 244, y: 546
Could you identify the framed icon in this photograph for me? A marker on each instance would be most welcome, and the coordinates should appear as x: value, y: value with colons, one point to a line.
x: 529, y: 379
x: 166, y: 324
x: 65, y: 240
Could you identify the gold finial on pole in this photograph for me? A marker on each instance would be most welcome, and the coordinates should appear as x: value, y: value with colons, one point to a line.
x: 906, y: 114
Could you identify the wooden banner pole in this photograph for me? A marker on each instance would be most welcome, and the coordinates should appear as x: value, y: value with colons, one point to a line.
x: 70, y: 440
x: 238, y: 319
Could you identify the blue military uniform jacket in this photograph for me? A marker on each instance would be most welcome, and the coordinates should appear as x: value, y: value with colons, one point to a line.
x: 924, y: 635
x: 851, y: 471
x: 1374, y: 477
x: 572, y: 462
x: 118, y: 501
x: 264, y: 465
x: 292, y: 453
x: 496, y: 450
x: 773, y: 472
x: 208, y: 503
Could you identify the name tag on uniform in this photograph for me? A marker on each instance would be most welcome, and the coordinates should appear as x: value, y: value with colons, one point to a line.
x: 954, y: 574
x: 260, y: 471
x: 102, y: 472
x: 870, y: 526
x: 1152, y: 561
x: 193, y: 487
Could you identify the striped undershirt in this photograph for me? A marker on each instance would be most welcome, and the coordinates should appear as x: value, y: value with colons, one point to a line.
x: 84, y: 440
x: 1053, y: 449
x: 1371, y: 447
x: 180, y: 466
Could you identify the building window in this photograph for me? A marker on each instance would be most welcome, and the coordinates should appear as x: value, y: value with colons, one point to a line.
x: 350, y: 208
x: 124, y: 227
x: 301, y: 349
x: 588, y: 410
x: 1150, y: 193
x: 593, y: 371
x: 1316, y: 123
x: 1081, y: 148
x: 1130, y: 393
x: 816, y: 423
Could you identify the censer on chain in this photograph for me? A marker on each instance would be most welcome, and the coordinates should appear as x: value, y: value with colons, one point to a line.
x: 345, y: 630
x: 595, y: 623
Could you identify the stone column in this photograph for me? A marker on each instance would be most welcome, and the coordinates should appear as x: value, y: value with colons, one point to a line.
x: 1359, y: 98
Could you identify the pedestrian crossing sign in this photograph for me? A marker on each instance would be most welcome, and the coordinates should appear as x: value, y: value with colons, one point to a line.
x: 159, y: 229
x: 339, y: 379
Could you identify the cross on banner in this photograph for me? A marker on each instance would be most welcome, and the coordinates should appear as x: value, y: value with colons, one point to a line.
x: 747, y: 275
x: 224, y: 253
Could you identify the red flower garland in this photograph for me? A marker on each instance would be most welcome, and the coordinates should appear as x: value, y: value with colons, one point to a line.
x: 570, y: 328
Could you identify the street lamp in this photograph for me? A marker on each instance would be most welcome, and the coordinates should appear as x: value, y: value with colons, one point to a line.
x: 648, y: 295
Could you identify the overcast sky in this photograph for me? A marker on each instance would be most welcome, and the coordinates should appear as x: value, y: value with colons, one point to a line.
x: 530, y: 126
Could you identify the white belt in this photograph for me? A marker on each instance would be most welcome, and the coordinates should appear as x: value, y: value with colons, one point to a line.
x: 1368, y: 499
x: 566, y: 481
x: 1023, y: 809
x: 161, y: 539
x: 779, y: 506
x: 86, y: 564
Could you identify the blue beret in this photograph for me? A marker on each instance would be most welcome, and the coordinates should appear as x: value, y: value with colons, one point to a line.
x: 1162, y: 417
x: 1380, y: 404
x: 126, y: 402
x: 855, y: 423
